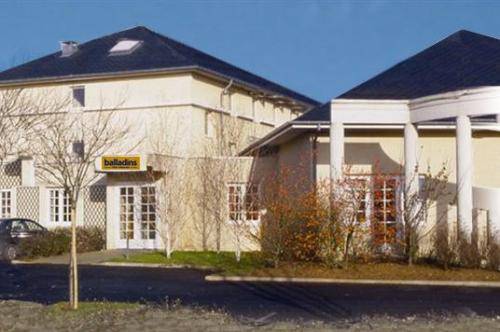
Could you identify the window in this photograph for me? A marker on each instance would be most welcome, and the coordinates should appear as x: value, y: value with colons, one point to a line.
x: 243, y: 202
x: 60, y: 206
x: 32, y: 226
x: 5, y: 203
x: 148, y: 213
x: 78, y: 96
x: 138, y: 213
x: 209, y: 126
x: 384, y: 211
x: 362, y: 199
x: 124, y: 47
x: 126, y: 213
x: 18, y: 226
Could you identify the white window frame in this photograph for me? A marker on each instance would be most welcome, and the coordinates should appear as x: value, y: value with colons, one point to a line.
x: 368, y: 197
x: 149, y: 212
x: 9, y: 193
x: 243, y: 211
x: 137, y: 212
x: 208, y: 125
x: 398, y: 201
x: 126, y: 213
x: 62, y: 202
x: 370, y: 200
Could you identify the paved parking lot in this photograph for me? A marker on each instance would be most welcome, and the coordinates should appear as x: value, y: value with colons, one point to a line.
x: 48, y: 284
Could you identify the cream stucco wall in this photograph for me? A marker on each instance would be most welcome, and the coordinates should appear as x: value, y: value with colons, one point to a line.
x: 172, y: 108
x: 382, y: 152
x: 365, y: 150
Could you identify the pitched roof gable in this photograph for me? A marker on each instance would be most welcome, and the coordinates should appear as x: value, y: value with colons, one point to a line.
x: 156, y: 52
x: 462, y: 60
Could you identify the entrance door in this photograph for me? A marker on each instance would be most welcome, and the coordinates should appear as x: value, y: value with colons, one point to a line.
x: 138, y: 217
x: 385, y: 213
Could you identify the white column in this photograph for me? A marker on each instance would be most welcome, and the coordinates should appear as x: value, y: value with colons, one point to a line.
x: 464, y: 175
x: 336, y: 150
x: 411, y: 158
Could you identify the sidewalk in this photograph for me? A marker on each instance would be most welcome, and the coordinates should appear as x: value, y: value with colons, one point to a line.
x: 86, y: 258
x: 450, y: 283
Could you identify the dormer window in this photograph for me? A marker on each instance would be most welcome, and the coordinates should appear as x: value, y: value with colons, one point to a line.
x: 124, y: 47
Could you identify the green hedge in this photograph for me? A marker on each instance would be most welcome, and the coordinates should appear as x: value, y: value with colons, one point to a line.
x: 57, y: 242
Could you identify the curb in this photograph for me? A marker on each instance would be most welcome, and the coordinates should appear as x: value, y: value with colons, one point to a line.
x: 219, y: 278
x: 120, y: 264
x: 153, y: 266
x: 18, y: 262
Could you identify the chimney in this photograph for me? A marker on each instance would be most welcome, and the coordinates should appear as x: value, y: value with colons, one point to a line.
x: 68, y: 48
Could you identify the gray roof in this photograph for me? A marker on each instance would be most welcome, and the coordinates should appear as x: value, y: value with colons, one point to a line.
x: 462, y: 60
x: 156, y: 52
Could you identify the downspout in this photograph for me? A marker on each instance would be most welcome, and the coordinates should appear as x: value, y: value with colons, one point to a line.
x: 224, y: 92
x: 314, y: 159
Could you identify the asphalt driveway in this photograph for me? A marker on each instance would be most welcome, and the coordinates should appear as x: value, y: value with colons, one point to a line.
x: 48, y: 284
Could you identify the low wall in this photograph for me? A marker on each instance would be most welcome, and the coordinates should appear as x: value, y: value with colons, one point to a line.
x: 489, y: 199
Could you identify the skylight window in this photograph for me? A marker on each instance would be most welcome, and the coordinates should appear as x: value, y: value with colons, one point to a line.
x: 125, y: 47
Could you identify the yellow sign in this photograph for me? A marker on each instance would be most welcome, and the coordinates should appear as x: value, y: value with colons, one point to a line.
x: 113, y: 163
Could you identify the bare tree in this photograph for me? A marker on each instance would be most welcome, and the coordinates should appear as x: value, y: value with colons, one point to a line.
x: 345, y: 219
x: 420, y: 195
x: 67, y: 145
x: 173, y: 176
x: 204, y: 222
x: 218, y: 167
x: 18, y: 119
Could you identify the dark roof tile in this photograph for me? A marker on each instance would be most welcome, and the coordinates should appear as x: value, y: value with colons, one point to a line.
x: 156, y: 52
x: 462, y: 60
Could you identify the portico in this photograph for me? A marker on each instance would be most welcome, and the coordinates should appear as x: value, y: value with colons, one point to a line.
x: 460, y: 106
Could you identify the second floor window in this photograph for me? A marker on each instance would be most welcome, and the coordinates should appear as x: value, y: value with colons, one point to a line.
x: 78, y: 96
x: 243, y: 202
x: 60, y: 206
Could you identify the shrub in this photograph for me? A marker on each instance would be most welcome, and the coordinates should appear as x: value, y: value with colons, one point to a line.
x: 493, y: 255
x: 305, y: 222
x: 58, y: 241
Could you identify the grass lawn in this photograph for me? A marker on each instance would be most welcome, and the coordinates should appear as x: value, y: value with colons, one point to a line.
x: 87, y: 308
x: 252, y: 264
x: 378, y: 271
x: 224, y: 261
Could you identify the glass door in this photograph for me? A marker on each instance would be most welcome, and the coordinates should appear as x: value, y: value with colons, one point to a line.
x: 138, y: 215
x: 385, y: 216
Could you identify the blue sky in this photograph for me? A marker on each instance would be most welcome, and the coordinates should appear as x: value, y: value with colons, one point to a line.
x: 319, y: 48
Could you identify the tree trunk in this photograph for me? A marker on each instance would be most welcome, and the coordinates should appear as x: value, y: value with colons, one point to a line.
x: 204, y: 231
x: 238, y: 248
x: 218, y: 236
x: 168, y: 244
x: 73, y: 285
x: 346, y: 249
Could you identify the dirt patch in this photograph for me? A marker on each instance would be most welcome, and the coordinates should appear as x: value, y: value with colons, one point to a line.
x: 26, y: 316
x: 378, y: 271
